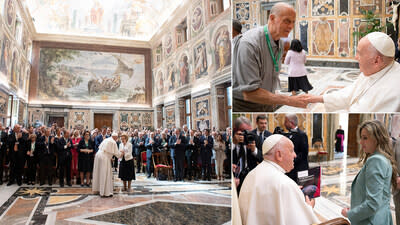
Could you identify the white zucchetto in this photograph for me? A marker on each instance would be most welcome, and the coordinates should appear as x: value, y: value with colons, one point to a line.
x: 382, y: 42
x: 270, y: 142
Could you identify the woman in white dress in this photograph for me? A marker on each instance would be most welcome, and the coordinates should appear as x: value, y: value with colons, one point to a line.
x: 219, y: 147
x: 102, y: 171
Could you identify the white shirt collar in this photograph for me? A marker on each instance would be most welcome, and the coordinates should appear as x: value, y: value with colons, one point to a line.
x: 274, y: 164
x: 373, y: 77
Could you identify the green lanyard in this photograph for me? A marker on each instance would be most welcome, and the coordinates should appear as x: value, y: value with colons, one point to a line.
x: 270, y: 50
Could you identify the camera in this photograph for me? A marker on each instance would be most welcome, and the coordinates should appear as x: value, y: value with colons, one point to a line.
x: 248, y: 137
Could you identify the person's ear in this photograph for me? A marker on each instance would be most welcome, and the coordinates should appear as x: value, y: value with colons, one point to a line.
x: 272, y: 17
x: 278, y: 155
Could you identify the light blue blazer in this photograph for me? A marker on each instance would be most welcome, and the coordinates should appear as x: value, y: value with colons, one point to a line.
x: 370, y: 193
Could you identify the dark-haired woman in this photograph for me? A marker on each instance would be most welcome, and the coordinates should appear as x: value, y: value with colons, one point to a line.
x: 85, y: 158
x: 296, y: 58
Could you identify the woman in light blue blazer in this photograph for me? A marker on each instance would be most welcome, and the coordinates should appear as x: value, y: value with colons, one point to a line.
x: 370, y: 190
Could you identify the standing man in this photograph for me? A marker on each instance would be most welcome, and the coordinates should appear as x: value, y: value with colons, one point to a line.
x: 300, y: 142
x: 99, y: 139
x: 46, y: 156
x: 139, y: 144
x: 256, y: 63
x: 3, y: 150
x: 261, y: 133
x: 171, y: 144
x: 180, y: 146
x: 17, y: 152
x: 64, y: 146
x: 150, y: 145
x: 206, y: 143
x: 270, y: 197
x: 102, y: 171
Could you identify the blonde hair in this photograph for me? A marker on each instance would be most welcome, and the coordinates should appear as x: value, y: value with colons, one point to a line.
x: 377, y: 131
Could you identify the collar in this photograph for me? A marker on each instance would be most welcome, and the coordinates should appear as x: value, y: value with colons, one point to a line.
x: 294, y: 129
x: 274, y: 164
x: 273, y: 43
x: 374, y: 77
x: 259, y: 132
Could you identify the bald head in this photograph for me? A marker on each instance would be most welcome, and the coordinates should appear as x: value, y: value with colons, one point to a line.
x: 282, y: 153
x: 281, y: 20
x: 280, y: 8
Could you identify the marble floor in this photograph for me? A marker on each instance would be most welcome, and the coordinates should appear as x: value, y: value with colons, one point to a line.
x: 149, y: 202
x: 337, y: 176
x: 323, y: 79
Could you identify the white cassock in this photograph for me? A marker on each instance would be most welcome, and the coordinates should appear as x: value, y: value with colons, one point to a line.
x: 378, y: 92
x: 102, y: 171
x: 270, y: 197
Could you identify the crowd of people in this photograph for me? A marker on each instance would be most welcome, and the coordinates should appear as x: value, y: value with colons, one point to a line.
x: 45, y: 153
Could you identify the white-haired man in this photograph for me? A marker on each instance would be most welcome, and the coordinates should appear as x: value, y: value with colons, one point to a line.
x: 270, y: 197
x: 102, y: 171
x: 376, y: 89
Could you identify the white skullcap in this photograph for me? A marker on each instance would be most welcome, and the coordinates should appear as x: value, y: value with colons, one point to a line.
x: 114, y: 134
x: 382, y: 42
x: 270, y: 142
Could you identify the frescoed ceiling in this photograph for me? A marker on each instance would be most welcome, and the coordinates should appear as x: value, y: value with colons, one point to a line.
x: 131, y: 19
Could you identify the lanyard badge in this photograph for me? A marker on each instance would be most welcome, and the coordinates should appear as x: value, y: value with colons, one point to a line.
x: 270, y: 50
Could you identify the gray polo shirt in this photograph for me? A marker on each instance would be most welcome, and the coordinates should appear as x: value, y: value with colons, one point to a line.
x: 253, y: 68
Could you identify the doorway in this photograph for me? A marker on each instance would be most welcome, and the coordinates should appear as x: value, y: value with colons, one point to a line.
x: 101, y: 120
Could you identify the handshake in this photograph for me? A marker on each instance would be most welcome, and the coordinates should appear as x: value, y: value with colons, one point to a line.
x: 301, y: 101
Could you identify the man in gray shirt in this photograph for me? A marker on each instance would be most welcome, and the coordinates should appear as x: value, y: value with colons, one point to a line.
x: 257, y: 62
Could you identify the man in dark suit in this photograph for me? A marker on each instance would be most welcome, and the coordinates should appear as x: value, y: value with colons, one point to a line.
x: 190, y: 148
x: 300, y: 142
x: 171, y: 144
x: 150, y: 144
x: 3, y: 150
x: 206, y: 145
x: 64, y: 146
x: 180, y: 147
x: 99, y: 139
x: 139, y: 145
x: 46, y: 156
x: 261, y: 133
x: 17, y: 151
x: 244, y: 155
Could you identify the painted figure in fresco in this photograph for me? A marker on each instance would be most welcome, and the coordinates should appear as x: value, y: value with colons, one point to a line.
x: 201, y: 60
x: 96, y: 13
x: 197, y: 19
x: 14, y: 69
x: 184, y: 70
x: 5, y: 57
x: 10, y: 12
x: 395, y: 17
x: 202, y: 124
x: 171, y: 78
x: 160, y: 84
x: 202, y: 109
x: 222, y: 47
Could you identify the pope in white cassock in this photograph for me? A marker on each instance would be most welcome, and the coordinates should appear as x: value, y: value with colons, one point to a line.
x: 102, y: 171
x: 270, y: 197
x: 377, y: 87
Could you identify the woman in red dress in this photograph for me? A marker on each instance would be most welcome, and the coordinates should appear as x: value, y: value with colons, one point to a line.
x: 74, y: 163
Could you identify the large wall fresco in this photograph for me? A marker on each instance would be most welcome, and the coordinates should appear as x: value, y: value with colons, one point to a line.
x: 119, y: 18
x: 15, y: 45
x: 76, y: 75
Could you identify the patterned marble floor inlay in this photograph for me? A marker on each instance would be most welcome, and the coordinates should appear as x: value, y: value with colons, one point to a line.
x: 149, y: 202
x: 168, y: 213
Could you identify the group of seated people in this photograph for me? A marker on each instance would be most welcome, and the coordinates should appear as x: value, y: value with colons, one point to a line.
x: 54, y: 152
